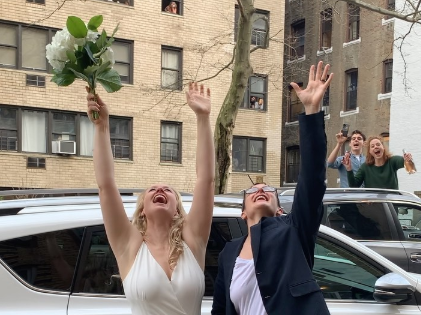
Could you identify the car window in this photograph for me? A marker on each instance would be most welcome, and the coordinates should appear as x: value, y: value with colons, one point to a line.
x: 46, y: 261
x: 410, y: 219
x: 341, y: 274
x: 99, y: 271
x: 360, y: 221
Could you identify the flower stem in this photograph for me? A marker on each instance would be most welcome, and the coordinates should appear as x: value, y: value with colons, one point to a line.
x: 95, y: 115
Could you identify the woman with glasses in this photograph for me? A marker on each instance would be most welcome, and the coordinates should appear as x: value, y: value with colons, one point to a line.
x: 269, y: 271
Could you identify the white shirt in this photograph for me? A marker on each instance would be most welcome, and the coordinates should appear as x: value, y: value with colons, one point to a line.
x: 244, y: 290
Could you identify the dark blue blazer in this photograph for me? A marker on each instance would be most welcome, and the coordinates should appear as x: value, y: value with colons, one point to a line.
x: 283, y: 247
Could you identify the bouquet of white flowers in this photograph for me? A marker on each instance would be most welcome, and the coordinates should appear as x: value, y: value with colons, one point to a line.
x: 79, y: 51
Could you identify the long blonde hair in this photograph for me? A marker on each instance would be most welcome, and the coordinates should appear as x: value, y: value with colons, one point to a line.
x: 175, y: 240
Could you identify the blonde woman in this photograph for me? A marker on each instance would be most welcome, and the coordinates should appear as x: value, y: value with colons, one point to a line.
x: 161, y: 256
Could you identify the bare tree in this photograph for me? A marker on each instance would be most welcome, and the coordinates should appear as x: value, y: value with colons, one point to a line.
x: 409, y: 12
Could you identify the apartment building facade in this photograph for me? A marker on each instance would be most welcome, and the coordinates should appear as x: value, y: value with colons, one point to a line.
x: 358, y: 44
x: 46, y: 137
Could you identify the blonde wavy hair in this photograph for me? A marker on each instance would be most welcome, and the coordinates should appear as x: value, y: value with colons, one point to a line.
x: 369, y: 159
x: 175, y: 240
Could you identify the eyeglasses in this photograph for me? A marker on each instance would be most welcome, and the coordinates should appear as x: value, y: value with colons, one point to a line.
x: 253, y: 190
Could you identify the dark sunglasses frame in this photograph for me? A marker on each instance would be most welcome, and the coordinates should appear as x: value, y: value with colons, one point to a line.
x: 249, y: 191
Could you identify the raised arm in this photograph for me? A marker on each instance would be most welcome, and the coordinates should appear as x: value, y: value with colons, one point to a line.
x: 354, y: 180
x: 340, y: 140
x: 117, y: 225
x: 307, y: 208
x: 198, y: 222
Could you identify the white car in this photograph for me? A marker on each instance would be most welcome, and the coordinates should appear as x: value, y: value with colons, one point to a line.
x: 55, y: 260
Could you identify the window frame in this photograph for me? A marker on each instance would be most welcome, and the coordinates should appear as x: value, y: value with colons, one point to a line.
x: 247, y: 94
x: 296, y: 50
x: 326, y: 16
x: 49, y: 129
x: 130, y: 137
x: 347, y: 105
x: 180, y: 7
x: 248, y: 168
x: 131, y: 58
x: 288, y: 176
x: 387, y: 81
x: 19, y: 47
x: 290, y: 103
x: 179, y: 125
x: 6, y: 130
x: 258, y: 11
x: 353, y: 17
x: 180, y: 70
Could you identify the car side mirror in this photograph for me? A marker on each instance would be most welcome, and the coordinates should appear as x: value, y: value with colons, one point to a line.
x: 392, y: 288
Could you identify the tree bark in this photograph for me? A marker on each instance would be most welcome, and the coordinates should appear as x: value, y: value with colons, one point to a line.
x: 242, y: 71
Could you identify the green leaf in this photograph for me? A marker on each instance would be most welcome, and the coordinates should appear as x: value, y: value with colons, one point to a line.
x: 102, y: 40
x: 103, y: 67
x: 91, y: 49
x: 90, y: 70
x: 110, y: 80
x: 63, y: 79
x: 95, y: 22
x: 115, y: 30
x: 80, y: 75
x: 71, y: 55
x: 76, y: 27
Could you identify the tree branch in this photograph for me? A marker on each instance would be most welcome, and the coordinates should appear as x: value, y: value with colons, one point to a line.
x: 241, y: 9
x: 377, y: 9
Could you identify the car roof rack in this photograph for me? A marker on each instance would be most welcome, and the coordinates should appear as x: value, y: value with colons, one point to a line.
x: 356, y: 191
x: 41, y: 193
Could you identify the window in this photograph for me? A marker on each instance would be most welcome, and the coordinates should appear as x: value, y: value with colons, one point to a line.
x: 34, y: 162
x: 35, y: 80
x: 173, y: 6
x: 125, y: 2
x: 36, y: 1
x: 123, y: 55
x: 386, y: 138
x: 360, y: 221
x: 171, y: 141
x: 297, y: 39
x: 388, y: 73
x: 33, y: 130
x: 410, y: 219
x: 353, y: 22
x: 248, y: 154
x: 326, y: 100
x: 8, y: 129
x: 46, y: 261
x: 64, y: 126
x: 120, y: 138
x: 98, y: 267
x: 255, y: 95
x: 23, y: 47
x: 171, y: 77
x: 351, y: 89
x: 259, y: 28
x: 390, y: 5
x: 295, y: 107
x: 341, y: 274
x: 326, y: 29
x: 293, y: 164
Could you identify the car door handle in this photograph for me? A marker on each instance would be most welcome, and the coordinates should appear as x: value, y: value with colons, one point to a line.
x: 416, y: 257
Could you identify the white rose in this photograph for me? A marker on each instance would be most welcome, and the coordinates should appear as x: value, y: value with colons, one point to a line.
x: 108, y: 55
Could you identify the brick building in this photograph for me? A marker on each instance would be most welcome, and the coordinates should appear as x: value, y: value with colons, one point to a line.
x: 359, y: 46
x: 152, y: 130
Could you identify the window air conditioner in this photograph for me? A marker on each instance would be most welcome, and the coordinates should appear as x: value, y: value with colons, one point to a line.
x: 64, y: 147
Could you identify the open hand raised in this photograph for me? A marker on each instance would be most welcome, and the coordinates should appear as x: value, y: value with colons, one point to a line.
x: 317, y: 85
x: 197, y: 100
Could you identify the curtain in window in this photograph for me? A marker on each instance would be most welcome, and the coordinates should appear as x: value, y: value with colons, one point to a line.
x: 170, y: 68
x: 8, y: 38
x: 87, y: 131
x: 34, y: 137
x: 33, y: 48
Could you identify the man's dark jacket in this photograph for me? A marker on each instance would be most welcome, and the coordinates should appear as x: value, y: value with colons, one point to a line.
x: 283, y: 247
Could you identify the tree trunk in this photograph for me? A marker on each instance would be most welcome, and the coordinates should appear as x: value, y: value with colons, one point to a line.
x: 242, y: 71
